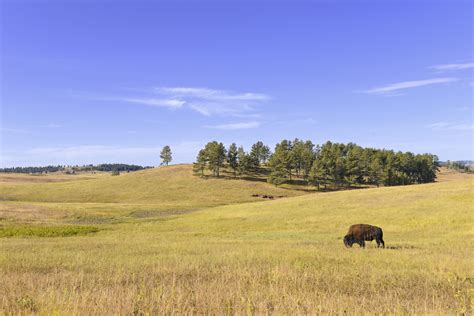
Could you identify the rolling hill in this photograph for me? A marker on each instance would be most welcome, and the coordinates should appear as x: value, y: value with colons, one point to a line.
x: 283, y: 256
x: 173, y: 186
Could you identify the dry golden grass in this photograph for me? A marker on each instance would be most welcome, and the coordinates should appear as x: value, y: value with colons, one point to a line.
x: 284, y: 257
x: 173, y: 187
x: 446, y: 174
x: 22, y: 178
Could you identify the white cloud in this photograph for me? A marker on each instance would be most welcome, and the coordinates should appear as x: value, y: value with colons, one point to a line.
x: 169, y: 103
x: 211, y: 102
x: 447, y: 126
x: 52, y: 125
x: 211, y: 94
x: 453, y: 66
x: 251, y: 115
x: 236, y: 126
x: 208, y: 102
x: 390, y: 88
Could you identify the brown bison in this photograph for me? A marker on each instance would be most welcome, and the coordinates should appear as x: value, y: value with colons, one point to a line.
x: 360, y: 233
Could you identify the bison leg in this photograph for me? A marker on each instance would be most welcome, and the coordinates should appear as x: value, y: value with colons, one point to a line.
x: 362, y: 244
x: 380, y: 242
x: 380, y: 238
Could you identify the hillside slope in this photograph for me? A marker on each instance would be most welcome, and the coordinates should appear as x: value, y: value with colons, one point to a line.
x: 170, y: 187
x: 272, y: 257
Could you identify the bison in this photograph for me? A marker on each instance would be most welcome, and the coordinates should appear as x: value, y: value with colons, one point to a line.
x: 360, y: 233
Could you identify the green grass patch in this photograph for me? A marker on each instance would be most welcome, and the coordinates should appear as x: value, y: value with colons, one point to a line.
x: 47, y: 231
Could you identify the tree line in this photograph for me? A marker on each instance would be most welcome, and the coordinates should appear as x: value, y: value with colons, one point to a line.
x: 462, y: 166
x: 120, y: 167
x: 329, y: 164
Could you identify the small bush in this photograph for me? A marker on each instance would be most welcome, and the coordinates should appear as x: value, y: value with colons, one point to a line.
x: 26, y: 302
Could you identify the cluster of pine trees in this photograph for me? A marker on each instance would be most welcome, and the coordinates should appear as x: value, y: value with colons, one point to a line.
x: 214, y: 156
x: 331, y: 164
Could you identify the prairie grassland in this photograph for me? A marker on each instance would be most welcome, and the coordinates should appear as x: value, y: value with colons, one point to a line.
x: 168, y: 187
x: 21, y: 178
x: 281, y: 256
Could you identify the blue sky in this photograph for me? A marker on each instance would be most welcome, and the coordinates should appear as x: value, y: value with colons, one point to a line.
x: 114, y: 81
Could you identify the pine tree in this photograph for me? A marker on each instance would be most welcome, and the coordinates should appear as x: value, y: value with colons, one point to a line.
x: 244, y: 161
x: 232, y: 158
x: 259, y: 153
x: 307, y: 158
x: 296, y: 155
x: 277, y: 176
x: 318, y: 173
x: 165, y: 155
x: 216, y: 154
x: 375, y: 171
x: 353, y: 164
x: 265, y: 154
x: 201, y: 162
x: 280, y: 162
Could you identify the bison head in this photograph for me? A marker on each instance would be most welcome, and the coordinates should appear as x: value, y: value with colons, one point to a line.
x: 348, y: 241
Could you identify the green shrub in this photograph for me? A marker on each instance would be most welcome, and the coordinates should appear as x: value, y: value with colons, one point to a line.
x: 115, y: 173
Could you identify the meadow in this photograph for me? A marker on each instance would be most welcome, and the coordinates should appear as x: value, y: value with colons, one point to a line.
x: 163, y: 241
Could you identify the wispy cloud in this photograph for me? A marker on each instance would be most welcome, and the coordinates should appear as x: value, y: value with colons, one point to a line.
x: 447, y: 126
x: 211, y: 94
x: 453, y: 66
x: 394, y: 87
x: 208, y: 102
x: 211, y: 102
x: 169, y: 103
x: 52, y: 125
x: 235, y: 126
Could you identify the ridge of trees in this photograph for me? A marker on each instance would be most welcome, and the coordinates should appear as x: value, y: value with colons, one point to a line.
x: 462, y: 166
x: 329, y: 164
x: 102, y: 167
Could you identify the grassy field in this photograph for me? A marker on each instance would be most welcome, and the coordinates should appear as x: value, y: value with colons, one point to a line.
x: 164, y: 241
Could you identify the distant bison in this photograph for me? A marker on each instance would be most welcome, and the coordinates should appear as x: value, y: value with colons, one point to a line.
x: 360, y: 233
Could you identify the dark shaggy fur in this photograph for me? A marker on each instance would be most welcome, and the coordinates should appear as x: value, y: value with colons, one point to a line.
x: 360, y: 233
